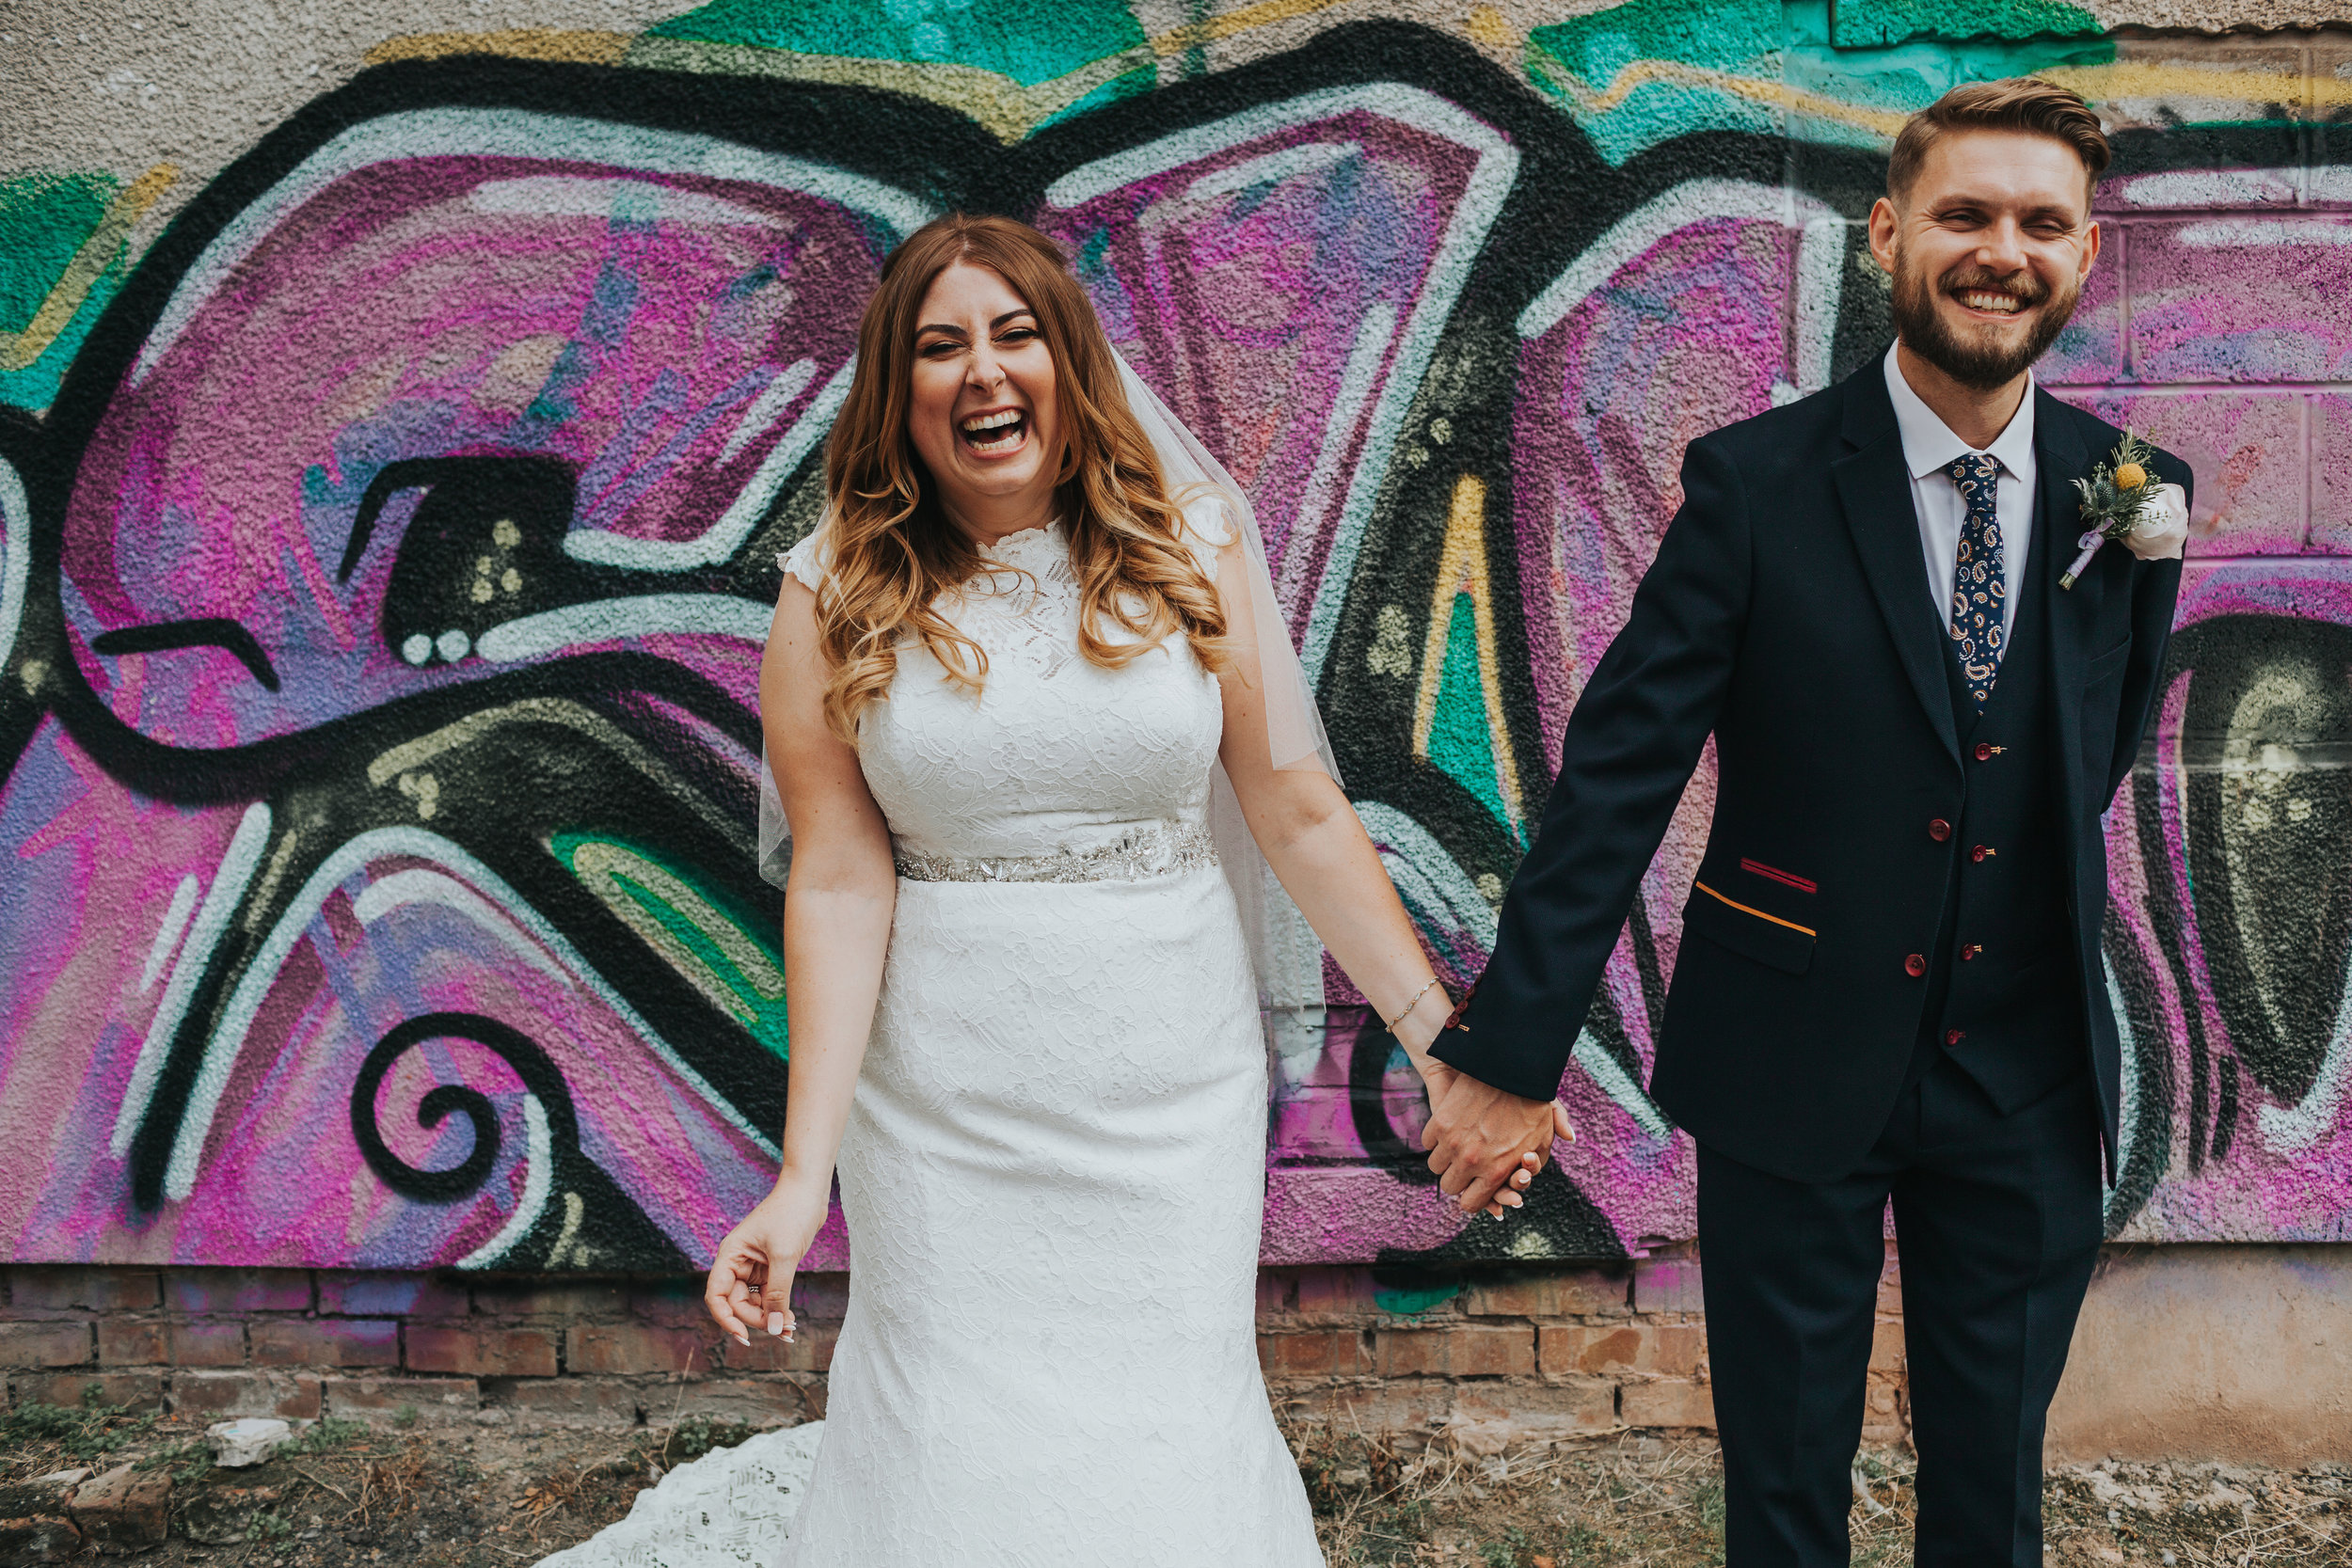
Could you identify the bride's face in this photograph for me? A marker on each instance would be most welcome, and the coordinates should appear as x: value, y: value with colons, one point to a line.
x: 983, y: 415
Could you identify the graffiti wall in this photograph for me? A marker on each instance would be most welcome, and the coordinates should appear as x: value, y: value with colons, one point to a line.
x: 395, y: 454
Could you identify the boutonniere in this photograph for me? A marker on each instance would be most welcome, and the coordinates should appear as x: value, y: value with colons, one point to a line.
x: 2121, y: 501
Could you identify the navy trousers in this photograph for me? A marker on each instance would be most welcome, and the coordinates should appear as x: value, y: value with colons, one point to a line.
x: 1998, y: 1221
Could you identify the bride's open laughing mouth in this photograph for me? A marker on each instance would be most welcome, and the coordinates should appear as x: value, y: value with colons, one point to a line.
x: 995, y: 431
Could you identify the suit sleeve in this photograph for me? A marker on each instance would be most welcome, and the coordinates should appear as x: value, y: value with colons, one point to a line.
x: 1631, y: 744
x: 2155, y: 592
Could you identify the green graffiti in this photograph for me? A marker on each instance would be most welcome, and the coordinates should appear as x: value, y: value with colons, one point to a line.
x: 1461, y: 742
x: 1643, y: 72
x: 1412, y: 1302
x: 712, y: 950
x: 44, y: 221
x: 1867, y: 24
x: 1028, y: 41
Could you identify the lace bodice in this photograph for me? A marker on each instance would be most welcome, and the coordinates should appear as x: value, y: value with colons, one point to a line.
x: 1057, y: 754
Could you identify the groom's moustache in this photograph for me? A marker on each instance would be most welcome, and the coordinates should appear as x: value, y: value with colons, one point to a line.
x: 2021, y: 285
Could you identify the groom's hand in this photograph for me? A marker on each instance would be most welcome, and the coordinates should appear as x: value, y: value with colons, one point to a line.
x: 1478, y: 1133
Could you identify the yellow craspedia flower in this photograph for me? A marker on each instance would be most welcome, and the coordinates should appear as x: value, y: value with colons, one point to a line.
x: 2131, y: 476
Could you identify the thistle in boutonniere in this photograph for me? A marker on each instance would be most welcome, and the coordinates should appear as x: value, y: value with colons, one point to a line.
x: 2122, y: 501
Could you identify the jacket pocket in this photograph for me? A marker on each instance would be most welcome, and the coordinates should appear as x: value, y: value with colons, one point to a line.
x: 1749, y: 932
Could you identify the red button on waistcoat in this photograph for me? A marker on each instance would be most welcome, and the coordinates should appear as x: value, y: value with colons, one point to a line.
x: 1953, y: 1036
x: 1972, y: 950
x: 1985, y: 751
x: 1939, y: 829
x: 1979, y: 853
x: 1915, y: 965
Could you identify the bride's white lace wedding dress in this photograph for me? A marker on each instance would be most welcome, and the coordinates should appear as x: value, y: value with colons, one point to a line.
x: 1053, y: 1172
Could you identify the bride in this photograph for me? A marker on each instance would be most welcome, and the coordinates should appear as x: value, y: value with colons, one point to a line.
x: 1033, y: 625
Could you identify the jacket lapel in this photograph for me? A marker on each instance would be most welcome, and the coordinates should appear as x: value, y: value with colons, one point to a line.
x: 1874, y: 486
x: 2072, y: 613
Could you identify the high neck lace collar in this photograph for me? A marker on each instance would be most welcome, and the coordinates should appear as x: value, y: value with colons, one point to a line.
x: 1032, y: 550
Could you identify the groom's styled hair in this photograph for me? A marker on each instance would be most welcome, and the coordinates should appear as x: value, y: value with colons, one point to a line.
x: 2025, y: 103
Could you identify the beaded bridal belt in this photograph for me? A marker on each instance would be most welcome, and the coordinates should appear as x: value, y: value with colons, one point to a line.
x: 1157, y: 849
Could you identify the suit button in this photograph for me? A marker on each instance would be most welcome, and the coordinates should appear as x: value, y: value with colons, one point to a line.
x: 1979, y: 853
x: 1939, y: 829
x: 1953, y: 1036
x: 1915, y: 965
x: 1985, y: 751
x: 1972, y: 950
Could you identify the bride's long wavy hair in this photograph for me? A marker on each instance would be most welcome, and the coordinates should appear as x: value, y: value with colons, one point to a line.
x: 893, y: 550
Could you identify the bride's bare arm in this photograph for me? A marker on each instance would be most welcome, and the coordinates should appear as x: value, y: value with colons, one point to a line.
x: 1318, y: 848
x: 836, y: 927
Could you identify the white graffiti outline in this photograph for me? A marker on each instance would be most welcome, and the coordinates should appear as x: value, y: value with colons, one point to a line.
x: 236, y: 1018
x: 722, y: 539
x: 167, y: 940
x: 630, y: 616
x: 538, y: 1160
x: 1483, y: 196
x: 450, y: 132
x: 16, y: 555
x: 1818, y: 273
x: 237, y: 865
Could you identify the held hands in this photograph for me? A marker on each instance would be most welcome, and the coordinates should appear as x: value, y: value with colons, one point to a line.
x: 750, y: 1285
x: 1486, y: 1144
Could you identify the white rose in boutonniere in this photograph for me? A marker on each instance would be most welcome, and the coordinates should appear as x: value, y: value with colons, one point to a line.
x: 2163, y: 527
x: 2119, y: 502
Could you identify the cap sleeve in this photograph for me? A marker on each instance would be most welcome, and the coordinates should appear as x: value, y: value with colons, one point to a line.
x: 807, y: 560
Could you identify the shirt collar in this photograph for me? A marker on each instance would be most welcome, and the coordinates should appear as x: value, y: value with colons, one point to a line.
x: 1929, y: 444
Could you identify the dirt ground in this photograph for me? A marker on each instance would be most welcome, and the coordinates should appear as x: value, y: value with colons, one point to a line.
x: 478, y: 1496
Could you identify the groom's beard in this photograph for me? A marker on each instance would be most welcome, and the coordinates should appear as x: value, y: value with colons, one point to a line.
x: 1979, y: 355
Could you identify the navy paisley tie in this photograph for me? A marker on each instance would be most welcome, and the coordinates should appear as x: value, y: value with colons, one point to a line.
x: 1978, y: 588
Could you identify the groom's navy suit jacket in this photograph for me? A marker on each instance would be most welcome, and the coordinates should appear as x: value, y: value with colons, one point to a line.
x: 1789, y: 614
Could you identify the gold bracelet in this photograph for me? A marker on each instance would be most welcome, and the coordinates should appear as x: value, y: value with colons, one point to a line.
x: 1390, y: 1023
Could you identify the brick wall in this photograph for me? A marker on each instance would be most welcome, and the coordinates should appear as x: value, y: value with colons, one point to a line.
x: 1497, y: 1356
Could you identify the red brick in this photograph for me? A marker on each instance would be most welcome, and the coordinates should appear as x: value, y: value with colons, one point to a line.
x: 133, y: 1342
x: 1886, y: 1347
x: 45, y: 1344
x: 133, y: 1390
x: 1337, y: 1296
x: 219, y: 1395
x: 97, y: 1289
x: 40, y: 1537
x: 207, y: 1344
x: 1407, y: 1406
x: 824, y: 1296
x: 1490, y: 1417
x: 1278, y: 1291
x: 1550, y: 1293
x: 561, y: 1298
x: 482, y: 1352
x: 1582, y: 1348
x: 761, y: 1401
x: 810, y: 1349
x: 391, y: 1296
x: 1668, y: 1285
x: 1317, y: 1353
x: 567, y: 1400
x: 630, y: 1349
x: 1460, y: 1350
x: 223, y: 1290
x: 367, y: 1399
x: 325, y: 1342
x: 124, y: 1510
x: 674, y: 1303
x: 1667, y: 1402
x: 1680, y: 1349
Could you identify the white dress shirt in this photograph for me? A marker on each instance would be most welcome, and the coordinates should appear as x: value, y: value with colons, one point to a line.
x: 1929, y: 448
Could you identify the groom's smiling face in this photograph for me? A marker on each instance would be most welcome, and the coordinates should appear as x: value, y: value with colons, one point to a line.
x: 1988, y: 249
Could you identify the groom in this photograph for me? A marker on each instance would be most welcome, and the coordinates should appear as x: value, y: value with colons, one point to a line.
x: 1889, y: 983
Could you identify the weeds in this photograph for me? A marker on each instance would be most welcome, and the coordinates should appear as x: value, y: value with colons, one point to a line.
x: 83, y: 1435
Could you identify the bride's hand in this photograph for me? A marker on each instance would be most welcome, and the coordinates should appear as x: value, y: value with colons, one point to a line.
x: 750, y: 1285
